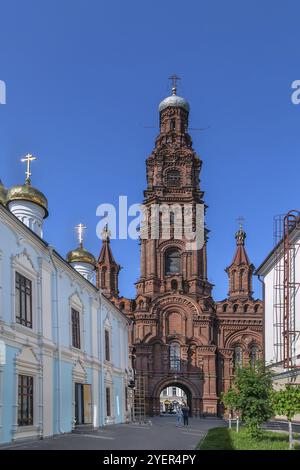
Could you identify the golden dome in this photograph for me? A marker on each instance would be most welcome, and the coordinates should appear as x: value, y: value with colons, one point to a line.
x: 3, y: 194
x: 81, y: 255
x: 26, y: 192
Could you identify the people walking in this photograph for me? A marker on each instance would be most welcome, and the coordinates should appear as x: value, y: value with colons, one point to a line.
x: 179, y: 415
x: 185, y: 412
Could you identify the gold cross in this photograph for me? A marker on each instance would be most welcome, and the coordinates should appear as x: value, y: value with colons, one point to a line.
x: 80, y: 228
x: 28, y: 159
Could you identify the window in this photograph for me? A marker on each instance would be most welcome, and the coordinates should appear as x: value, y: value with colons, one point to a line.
x: 246, y: 308
x: 23, y: 300
x: 25, y: 400
x: 241, y: 279
x: 174, y: 284
x: 174, y: 391
x: 224, y: 308
x: 173, y: 178
x: 103, y: 277
x: 173, y: 124
x: 108, y: 408
x: 112, y: 279
x: 238, y: 357
x: 253, y: 355
x: 235, y: 307
x: 172, y: 261
x: 75, y: 329
x: 175, y: 356
x: 256, y: 308
x: 107, y: 346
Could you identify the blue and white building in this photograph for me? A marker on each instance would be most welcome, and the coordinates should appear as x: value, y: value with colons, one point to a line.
x: 64, y: 356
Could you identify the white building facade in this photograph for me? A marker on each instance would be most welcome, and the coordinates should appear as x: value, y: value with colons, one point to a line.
x: 64, y: 357
x: 280, y: 274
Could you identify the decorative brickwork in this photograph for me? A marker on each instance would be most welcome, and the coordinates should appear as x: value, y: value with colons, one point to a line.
x: 181, y: 336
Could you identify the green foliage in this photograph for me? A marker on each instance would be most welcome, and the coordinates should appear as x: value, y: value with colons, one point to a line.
x: 251, y: 396
x: 230, y: 399
x: 286, y: 401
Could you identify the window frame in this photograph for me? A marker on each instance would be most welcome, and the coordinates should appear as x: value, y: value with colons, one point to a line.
x: 173, y: 182
x: 75, y: 328
x: 107, y: 342
x: 30, y: 397
x: 167, y: 253
x: 239, y: 363
x: 22, y: 318
x: 174, y: 359
x: 108, y: 402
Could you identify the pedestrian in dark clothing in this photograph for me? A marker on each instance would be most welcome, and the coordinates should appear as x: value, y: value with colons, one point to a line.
x: 185, y: 412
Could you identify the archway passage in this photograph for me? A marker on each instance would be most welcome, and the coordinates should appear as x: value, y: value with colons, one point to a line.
x: 172, y: 396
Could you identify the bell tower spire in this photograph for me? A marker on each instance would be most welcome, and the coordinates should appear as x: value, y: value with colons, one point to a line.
x: 241, y: 270
x: 107, y: 269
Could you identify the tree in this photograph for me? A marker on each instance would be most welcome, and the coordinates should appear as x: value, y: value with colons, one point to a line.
x: 253, y: 389
x: 286, y: 402
x: 230, y: 400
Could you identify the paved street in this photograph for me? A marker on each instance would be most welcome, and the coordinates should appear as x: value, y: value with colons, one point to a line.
x: 161, y: 435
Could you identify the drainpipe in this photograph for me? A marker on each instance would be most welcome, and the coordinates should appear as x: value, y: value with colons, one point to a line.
x: 57, y: 316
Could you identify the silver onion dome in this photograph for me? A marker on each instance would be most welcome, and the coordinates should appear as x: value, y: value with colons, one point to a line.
x: 174, y: 101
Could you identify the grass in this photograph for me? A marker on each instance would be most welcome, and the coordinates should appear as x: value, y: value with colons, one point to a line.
x: 229, y: 439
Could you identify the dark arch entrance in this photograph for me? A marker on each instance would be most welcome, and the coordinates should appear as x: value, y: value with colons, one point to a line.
x: 175, y: 400
x: 191, y: 392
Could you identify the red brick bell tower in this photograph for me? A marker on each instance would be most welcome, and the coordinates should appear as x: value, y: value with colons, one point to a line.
x: 180, y: 336
x: 174, y: 333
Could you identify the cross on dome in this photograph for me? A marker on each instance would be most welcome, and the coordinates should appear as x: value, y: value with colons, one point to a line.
x: 28, y: 159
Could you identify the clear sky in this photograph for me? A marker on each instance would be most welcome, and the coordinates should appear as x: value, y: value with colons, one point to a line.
x: 84, y: 79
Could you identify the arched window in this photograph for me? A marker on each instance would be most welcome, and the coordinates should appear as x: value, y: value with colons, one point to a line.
x: 225, y: 308
x: 173, y: 178
x: 121, y: 306
x: 246, y: 308
x: 235, y: 307
x: 234, y: 280
x: 253, y: 355
x: 238, y: 357
x: 172, y: 261
x: 241, y: 279
x: 174, y: 284
x: 103, y: 277
x: 112, y: 279
x: 174, y: 356
x: 256, y: 308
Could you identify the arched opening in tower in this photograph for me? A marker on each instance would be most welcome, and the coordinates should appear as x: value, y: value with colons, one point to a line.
x: 172, y: 397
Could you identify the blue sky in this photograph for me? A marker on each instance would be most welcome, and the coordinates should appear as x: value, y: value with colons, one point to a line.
x: 84, y: 78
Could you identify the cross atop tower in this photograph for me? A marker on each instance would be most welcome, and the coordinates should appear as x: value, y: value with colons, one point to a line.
x: 80, y: 228
x: 106, y: 233
x: 28, y: 159
x: 240, y: 220
x: 174, y: 79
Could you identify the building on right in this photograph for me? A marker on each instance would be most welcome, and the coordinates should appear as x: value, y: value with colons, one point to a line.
x: 280, y: 274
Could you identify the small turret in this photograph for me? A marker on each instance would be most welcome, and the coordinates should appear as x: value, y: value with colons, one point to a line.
x: 81, y: 259
x: 108, y: 269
